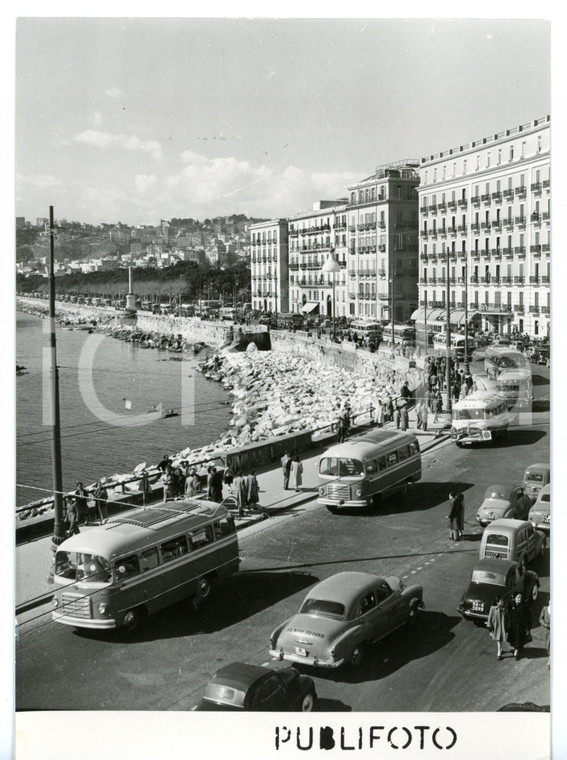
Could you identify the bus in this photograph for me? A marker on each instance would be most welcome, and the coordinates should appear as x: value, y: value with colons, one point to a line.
x: 516, y: 386
x: 227, y: 312
x: 457, y: 345
x: 480, y: 417
x: 499, y: 358
x: 360, y: 471
x: 366, y: 329
x: 404, y: 335
x: 140, y: 561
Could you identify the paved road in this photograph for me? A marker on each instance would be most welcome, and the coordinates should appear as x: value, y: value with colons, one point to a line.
x: 444, y: 664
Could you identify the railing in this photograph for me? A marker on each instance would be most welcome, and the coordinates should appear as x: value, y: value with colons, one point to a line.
x: 497, y: 197
x: 520, y: 220
x: 520, y: 190
x: 462, y: 203
x: 535, y: 187
x: 486, y: 198
x: 536, y: 249
x: 520, y: 250
x: 544, y: 309
x: 508, y: 193
x: 519, y: 307
x: 534, y: 309
x: 519, y: 279
x: 475, y: 200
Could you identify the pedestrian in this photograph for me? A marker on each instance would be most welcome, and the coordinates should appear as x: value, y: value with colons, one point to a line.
x: 286, y: 464
x: 72, y: 517
x: 228, y: 477
x: 100, y: 496
x: 397, y: 417
x: 252, y: 489
x: 81, y: 502
x: 424, y: 416
x: 438, y: 405
x: 145, y: 487
x: 404, y: 417
x: 379, y: 417
x: 168, y: 481
x: 296, y: 474
x: 497, y: 624
x: 178, y: 481
x: 519, y: 631
x: 166, y: 460
x: 405, y: 392
x: 390, y: 408
x: 456, y: 515
x: 214, y: 484
x: 545, y: 622
x: 240, y: 492
x: 192, y: 483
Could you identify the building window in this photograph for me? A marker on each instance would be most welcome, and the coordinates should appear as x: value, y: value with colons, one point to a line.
x: 465, y: 166
x: 539, y: 144
x: 511, y: 153
x: 488, y: 160
x: 477, y: 163
x: 499, y: 158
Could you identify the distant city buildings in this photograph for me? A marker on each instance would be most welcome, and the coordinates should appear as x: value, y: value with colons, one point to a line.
x: 269, y: 265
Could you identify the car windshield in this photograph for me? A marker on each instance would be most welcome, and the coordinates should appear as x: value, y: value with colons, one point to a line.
x: 487, y: 576
x: 323, y: 608
x: 497, y: 493
x: 341, y: 467
x: 534, y: 477
x: 78, y: 566
x: 470, y: 414
x: 497, y: 539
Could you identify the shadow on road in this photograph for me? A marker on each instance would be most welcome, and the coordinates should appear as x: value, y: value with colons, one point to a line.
x: 232, y: 601
x: 431, y: 633
x: 417, y: 499
x: 517, y: 437
x: 331, y: 705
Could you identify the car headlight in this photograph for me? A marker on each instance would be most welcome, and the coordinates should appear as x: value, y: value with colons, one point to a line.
x: 55, y: 601
x: 102, y: 607
x: 322, y: 491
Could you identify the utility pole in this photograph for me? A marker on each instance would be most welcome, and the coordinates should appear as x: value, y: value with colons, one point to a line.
x: 467, y: 367
x: 59, y: 526
x: 448, y: 337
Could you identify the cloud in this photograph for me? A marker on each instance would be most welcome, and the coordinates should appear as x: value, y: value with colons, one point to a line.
x: 96, y: 118
x: 39, y: 181
x: 145, y: 182
x: 103, y: 139
x: 113, y: 92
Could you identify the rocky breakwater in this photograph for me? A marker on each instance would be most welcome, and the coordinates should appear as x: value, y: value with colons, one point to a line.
x: 275, y: 393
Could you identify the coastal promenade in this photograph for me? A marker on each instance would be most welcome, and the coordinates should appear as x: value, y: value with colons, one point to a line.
x: 33, y: 558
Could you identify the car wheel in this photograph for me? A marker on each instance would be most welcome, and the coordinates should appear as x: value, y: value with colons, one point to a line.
x: 414, y: 613
x: 205, y: 588
x: 307, y: 702
x: 357, y: 656
x: 132, y: 619
x: 535, y: 592
x: 542, y: 547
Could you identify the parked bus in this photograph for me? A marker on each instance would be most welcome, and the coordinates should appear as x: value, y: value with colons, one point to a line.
x: 141, y: 561
x: 404, y: 335
x: 358, y: 472
x: 457, y: 345
x: 480, y: 417
x: 366, y: 329
x: 499, y: 358
x: 227, y: 312
x: 516, y: 386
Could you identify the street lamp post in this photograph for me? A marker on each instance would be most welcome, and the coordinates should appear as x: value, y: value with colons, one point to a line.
x: 331, y: 266
x: 467, y: 368
x: 448, y: 337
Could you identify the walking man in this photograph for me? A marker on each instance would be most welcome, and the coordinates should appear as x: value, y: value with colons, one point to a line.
x: 81, y: 502
x: 286, y: 465
x: 100, y: 496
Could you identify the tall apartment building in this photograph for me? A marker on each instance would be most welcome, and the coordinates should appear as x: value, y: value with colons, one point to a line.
x: 383, y: 243
x: 312, y: 237
x: 269, y: 265
x: 484, y: 212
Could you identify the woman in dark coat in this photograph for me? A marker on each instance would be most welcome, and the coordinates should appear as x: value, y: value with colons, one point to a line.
x: 519, y: 624
x: 497, y: 624
x: 457, y: 515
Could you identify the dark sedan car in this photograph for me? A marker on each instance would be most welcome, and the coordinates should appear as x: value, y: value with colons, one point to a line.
x: 496, y: 578
x: 259, y: 688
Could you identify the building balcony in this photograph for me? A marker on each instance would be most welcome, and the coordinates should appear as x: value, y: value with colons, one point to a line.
x: 520, y: 191
x: 520, y: 221
x: 536, y: 188
x: 508, y: 251
x: 520, y: 251
x: 382, y: 248
x: 423, y: 209
x: 474, y: 279
x: 535, y: 218
x: 293, y: 266
x: 352, y: 227
x: 442, y: 232
x: 486, y: 199
x: 462, y: 254
x: 507, y: 280
x: 423, y: 233
x: 423, y: 280
x: 495, y: 308
x: 509, y: 194
x: 534, y: 280
x: 544, y: 279
x: 352, y: 296
x: 433, y: 233
x: 485, y: 226
x: 475, y: 200
x: 545, y: 216
x: 424, y: 256
x: 433, y: 257
x: 461, y: 229
x: 519, y: 307
x: 475, y: 253
x: 497, y: 197
x: 508, y: 223
x: 497, y: 225
x: 462, y: 203
x: 535, y: 249
x: 545, y: 248
x: 382, y: 225
x: 452, y: 231
x: 534, y: 309
x: 432, y: 209
x: 519, y: 279
x: 442, y: 208
x: 436, y: 304
x: 496, y: 252
x: 452, y: 205
x: 475, y: 227
x: 544, y: 309
x: 382, y: 274
x: 485, y: 252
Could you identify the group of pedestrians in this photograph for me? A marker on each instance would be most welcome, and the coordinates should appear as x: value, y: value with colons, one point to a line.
x: 86, y: 508
x: 243, y: 487
x: 292, y: 470
x: 510, y: 621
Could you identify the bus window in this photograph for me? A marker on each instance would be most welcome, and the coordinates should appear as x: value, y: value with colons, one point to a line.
x: 382, y: 463
x: 340, y: 467
x: 403, y: 453
x: 149, y: 559
x: 414, y: 448
x: 92, y: 568
x: 392, y: 458
x: 370, y: 467
x: 127, y: 567
x: 175, y: 547
x: 202, y: 537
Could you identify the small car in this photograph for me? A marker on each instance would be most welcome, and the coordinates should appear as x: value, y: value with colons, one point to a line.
x: 540, y: 513
x: 341, y: 615
x: 503, y: 501
x: 516, y: 540
x: 239, y: 686
x: 536, y: 476
x: 495, y: 579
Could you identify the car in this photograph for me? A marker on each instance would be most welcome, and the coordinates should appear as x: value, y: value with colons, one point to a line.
x: 240, y: 686
x: 536, y: 477
x: 540, y: 513
x: 503, y: 501
x: 342, y: 615
x: 511, y: 539
x: 496, y: 579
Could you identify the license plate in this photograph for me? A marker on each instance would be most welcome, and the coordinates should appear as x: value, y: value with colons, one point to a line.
x: 301, y: 652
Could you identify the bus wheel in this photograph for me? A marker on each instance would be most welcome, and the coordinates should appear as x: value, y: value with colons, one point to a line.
x: 132, y: 619
x: 205, y: 588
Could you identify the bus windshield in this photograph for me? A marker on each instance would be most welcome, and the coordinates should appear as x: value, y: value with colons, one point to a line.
x: 88, y: 568
x: 341, y: 467
x: 469, y: 414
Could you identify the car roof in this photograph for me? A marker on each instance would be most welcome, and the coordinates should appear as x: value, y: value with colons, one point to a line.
x: 505, y: 489
x: 364, y: 445
x: 479, y: 399
x: 240, y: 675
x: 539, y: 466
x: 506, y: 524
x: 344, y: 587
x: 501, y: 566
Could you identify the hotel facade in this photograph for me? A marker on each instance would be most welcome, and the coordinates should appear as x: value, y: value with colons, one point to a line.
x: 269, y: 266
x: 484, y: 223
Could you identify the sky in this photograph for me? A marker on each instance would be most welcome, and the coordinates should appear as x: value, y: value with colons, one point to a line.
x: 141, y: 119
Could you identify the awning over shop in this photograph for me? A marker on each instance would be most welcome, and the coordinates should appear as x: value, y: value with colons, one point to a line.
x: 439, y: 316
x: 418, y: 315
x: 309, y: 307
